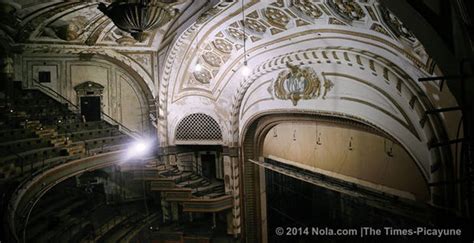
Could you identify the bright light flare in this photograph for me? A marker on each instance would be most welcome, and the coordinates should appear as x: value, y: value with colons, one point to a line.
x: 245, y: 71
x: 139, y: 148
x: 198, y: 68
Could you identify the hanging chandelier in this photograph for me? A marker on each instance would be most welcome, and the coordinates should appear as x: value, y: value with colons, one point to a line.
x: 137, y: 17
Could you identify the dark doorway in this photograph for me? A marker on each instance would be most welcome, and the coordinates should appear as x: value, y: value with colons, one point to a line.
x: 208, y: 162
x: 90, y: 108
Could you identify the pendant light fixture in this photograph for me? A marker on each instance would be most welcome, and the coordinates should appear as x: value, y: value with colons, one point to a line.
x: 138, y: 17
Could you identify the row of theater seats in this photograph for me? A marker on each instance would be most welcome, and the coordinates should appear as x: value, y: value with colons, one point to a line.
x: 182, y: 226
x: 201, y: 186
x: 124, y: 228
x: 38, y: 132
x: 68, y: 213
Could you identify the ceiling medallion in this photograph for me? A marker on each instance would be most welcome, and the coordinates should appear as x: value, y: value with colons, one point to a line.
x: 299, y: 83
x: 348, y: 9
x: 396, y: 25
x: 137, y: 17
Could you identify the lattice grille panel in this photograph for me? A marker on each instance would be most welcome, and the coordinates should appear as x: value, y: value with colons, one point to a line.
x: 198, y: 127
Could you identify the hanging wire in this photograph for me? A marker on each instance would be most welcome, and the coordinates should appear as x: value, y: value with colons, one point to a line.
x: 456, y: 153
x: 197, y: 66
x: 388, y: 149
x: 316, y: 133
x: 147, y: 213
x: 245, y: 34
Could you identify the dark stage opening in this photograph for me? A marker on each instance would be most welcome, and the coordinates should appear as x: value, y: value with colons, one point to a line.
x: 299, y: 211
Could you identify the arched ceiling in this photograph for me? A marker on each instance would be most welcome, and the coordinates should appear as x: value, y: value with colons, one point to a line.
x: 78, y: 23
x: 363, y: 61
x: 268, y: 24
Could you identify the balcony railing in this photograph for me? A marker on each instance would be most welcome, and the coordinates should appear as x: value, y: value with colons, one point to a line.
x: 208, y: 205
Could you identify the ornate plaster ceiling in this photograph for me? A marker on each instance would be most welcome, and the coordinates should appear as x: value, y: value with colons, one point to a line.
x: 365, y: 60
x: 68, y: 28
x: 73, y: 23
x: 267, y: 23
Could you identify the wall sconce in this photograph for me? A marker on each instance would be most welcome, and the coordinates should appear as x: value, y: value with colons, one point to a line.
x: 350, y: 144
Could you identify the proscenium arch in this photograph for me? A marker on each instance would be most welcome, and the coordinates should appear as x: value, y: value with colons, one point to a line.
x: 279, y: 116
x: 260, y: 53
x: 441, y: 156
x: 253, y: 136
x: 410, y: 91
x: 417, y: 189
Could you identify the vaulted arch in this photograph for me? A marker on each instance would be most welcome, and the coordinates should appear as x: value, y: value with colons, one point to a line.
x: 370, y: 64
